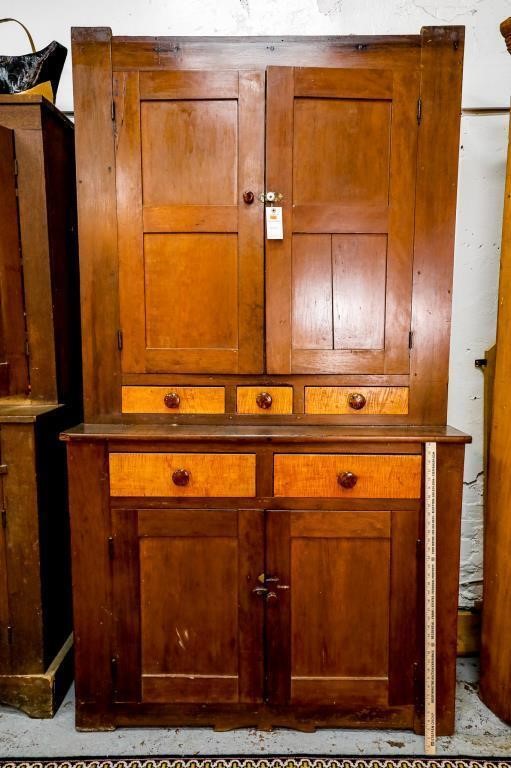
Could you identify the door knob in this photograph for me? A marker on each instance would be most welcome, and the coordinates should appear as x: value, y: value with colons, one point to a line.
x: 248, y: 197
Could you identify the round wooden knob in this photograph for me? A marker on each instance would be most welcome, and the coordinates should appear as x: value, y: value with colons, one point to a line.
x: 347, y: 479
x: 248, y: 197
x: 181, y: 477
x: 172, y: 400
x: 264, y: 400
x: 356, y: 401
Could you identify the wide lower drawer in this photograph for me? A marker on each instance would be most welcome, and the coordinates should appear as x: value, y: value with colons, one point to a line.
x: 386, y: 401
x: 182, y: 474
x: 348, y: 475
x: 173, y: 400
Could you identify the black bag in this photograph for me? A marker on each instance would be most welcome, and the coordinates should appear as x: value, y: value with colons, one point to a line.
x: 37, y: 72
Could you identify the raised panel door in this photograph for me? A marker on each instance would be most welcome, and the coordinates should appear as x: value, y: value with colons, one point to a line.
x: 190, y: 144
x: 346, y: 588
x: 187, y: 627
x: 341, y: 149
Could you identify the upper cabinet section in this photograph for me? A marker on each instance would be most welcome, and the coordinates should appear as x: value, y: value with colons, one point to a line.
x: 183, y: 292
x: 189, y: 153
x: 341, y: 149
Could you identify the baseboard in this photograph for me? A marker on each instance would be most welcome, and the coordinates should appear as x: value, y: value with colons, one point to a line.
x: 40, y: 694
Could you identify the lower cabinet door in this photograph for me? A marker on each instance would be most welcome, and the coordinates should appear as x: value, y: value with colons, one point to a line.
x: 341, y: 622
x: 188, y: 628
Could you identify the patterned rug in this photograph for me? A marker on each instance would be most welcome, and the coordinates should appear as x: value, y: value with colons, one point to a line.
x: 260, y: 762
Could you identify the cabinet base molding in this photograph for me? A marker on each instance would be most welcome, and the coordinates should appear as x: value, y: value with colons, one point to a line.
x: 222, y: 718
x: 39, y: 695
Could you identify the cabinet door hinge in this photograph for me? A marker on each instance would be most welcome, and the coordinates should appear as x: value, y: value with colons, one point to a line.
x: 9, y: 634
x: 3, y: 469
x: 114, y: 661
x: 419, y: 110
x: 119, y: 340
x: 3, y: 516
x: 410, y: 340
x: 16, y: 169
x: 111, y: 552
x: 27, y: 349
x: 112, y: 111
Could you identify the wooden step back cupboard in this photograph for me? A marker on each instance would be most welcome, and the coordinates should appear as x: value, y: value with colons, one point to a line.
x: 247, y: 491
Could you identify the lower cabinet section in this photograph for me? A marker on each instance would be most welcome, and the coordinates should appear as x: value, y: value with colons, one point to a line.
x: 287, y: 604
x: 199, y: 619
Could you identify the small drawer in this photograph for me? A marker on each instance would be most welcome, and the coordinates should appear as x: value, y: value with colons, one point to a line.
x: 173, y: 400
x: 264, y: 400
x: 348, y: 476
x: 182, y: 474
x: 386, y: 401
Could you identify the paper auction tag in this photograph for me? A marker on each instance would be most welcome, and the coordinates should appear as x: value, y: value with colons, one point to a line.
x: 274, y: 227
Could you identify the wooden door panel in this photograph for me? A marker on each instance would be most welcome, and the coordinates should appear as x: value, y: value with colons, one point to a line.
x: 333, y: 635
x: 189, y: 145
x: 189, y: 618
x: 359, y: 266
x: 312, y: 303
x: 343, y: 154
x: 199, y: 163
x: 13, y: 360
x: 188, y: 628
x: 183, y: 273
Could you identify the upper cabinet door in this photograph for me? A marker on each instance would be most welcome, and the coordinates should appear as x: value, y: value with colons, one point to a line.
x: 341, y: 148
x: 189, y: 145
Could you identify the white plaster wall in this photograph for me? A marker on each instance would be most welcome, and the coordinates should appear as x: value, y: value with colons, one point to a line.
x: 487, y: 83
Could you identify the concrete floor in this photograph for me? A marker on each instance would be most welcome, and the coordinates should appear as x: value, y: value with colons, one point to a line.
x: 478, y: 732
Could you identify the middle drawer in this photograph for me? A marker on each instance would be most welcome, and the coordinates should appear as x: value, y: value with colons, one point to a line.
x: 182, y: 474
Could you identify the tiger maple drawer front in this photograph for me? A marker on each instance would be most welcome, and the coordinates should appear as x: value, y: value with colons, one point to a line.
x: 385, y: 401
x: 264, y: 400
x: 182, y: 474
x: 173, y: 400
x: 348, y: 475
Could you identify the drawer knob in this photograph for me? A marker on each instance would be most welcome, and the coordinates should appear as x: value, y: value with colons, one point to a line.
x: 347, y: 479
x: 181, y: 477
x: 248, y: 197
x: 356, y: 401
x: 264, y: 400
x: 172, y: 400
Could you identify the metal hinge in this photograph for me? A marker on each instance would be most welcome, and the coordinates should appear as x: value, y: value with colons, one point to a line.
x: 410, y: 340
x: 9, y: 634
x: 112, y: 111
x: 419, y: 110
x: 3, y: 516
x: 119, y: 340
x: 27, y: 348
x: 111, y: 553
x: 114, y: 661
x: 3, y: 469
x: 16, y: 169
